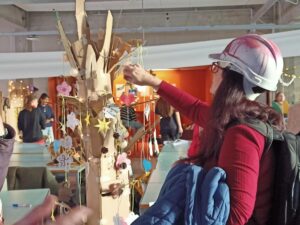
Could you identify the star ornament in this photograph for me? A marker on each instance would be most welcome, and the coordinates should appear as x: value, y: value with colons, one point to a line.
x: 87, y: 119
x: 62, y: 127
x: 102, y: 125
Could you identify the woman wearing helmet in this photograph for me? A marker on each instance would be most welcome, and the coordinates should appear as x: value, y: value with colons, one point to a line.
x: 248, y: 66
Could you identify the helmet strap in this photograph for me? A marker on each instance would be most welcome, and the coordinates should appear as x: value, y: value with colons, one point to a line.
x: 250, y: 95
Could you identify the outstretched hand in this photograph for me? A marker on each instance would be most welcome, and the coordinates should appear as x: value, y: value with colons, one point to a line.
x: 136, y: 74
x: 77, y: 215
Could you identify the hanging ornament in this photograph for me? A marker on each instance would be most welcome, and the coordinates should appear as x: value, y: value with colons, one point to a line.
x: 150, y: 147
x: 66, y: 142
x: 123, y: 144
x: 64, y: 89
x: 64, y: 160
x: 62, y: 128
x: 56, y: 145
x: 72, y: 121
x: 122, y: 161
x: 147, y: 165
x: 147, y: 111
x: 111, y: 111
x: 102, y: 125
x: 87, y: 119
x: 127, y: 99
x: 156, y: 148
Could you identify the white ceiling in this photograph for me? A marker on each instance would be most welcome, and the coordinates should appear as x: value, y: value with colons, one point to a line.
x: 163, y: 21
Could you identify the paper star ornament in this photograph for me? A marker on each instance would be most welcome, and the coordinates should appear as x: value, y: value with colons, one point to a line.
x: 87, y: 119
x: 102, y: 125
x: 72, y: 121
x: 62, y: 128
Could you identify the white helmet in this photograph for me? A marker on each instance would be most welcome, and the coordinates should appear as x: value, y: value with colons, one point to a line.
x: 255, y: 57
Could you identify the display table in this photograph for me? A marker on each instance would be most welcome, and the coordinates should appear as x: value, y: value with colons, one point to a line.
x: 169, y: 154
x: 37, y: 155
x: 25, y: 199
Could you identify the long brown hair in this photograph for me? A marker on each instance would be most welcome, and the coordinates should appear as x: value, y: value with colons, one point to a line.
x: 163, y: 108
x: 230, y: 104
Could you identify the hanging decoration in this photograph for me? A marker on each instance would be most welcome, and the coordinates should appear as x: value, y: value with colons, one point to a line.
x: 122, y: 161
x: 64, y: 160
x: 156, y: 148
x: 72, y: 121
x: 56, y: 145
x: 147, y: 165
x: 111, y: 111
x: 147, y: 111
x: 62, y: 128
x: 64, y: 89
x: 87, y: 119
x: 102, y: 125
x: 66, y: 142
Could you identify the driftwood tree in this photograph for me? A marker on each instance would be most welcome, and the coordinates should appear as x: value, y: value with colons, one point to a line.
x: 95, y: 63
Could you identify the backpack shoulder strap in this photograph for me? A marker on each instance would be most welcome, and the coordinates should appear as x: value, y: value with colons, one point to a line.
x: 264, y: 128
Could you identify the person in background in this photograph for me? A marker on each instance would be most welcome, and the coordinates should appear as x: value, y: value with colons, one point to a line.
x: 280, y: 104
x: 31, y: 121
x: 170, y: 122
x: 48, y: 113
x: 248, y: 66
x: 77, y: 215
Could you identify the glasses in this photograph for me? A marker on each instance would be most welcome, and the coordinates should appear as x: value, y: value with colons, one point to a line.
x: 215, y: 67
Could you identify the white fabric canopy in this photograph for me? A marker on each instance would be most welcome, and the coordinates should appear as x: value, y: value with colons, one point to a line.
x: 49, y: 64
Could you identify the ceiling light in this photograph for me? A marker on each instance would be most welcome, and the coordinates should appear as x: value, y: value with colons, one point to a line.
x: 33, y: 37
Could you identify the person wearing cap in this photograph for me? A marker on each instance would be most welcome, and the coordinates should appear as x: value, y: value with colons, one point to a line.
x: 48, y: 113
x: 31, y: 121
x: 247, y: 67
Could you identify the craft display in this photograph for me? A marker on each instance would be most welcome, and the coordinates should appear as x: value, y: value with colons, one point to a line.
x: 103, y: 136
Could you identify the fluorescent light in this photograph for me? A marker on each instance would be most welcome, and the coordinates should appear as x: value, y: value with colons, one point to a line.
x: 33, y: 37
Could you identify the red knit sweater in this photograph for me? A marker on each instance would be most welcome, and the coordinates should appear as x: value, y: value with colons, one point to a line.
x: 249, y: 175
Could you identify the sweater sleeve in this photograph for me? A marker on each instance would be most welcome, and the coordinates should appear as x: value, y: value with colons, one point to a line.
x: 240, y: 156
x: 186, y: 104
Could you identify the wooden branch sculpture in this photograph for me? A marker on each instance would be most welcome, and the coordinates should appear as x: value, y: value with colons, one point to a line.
x: 94, y: 80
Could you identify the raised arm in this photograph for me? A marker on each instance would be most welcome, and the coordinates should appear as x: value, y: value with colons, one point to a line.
x: 186, y: 104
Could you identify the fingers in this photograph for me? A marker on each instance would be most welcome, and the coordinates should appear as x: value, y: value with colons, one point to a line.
x: 39, y: 213
x: 77, y: 216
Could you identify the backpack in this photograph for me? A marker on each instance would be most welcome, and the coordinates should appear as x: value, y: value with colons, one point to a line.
x: 286, y: 146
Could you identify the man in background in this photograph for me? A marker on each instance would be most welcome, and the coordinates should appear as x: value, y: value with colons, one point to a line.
x: 48, y: 113
x: 31, y: 121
